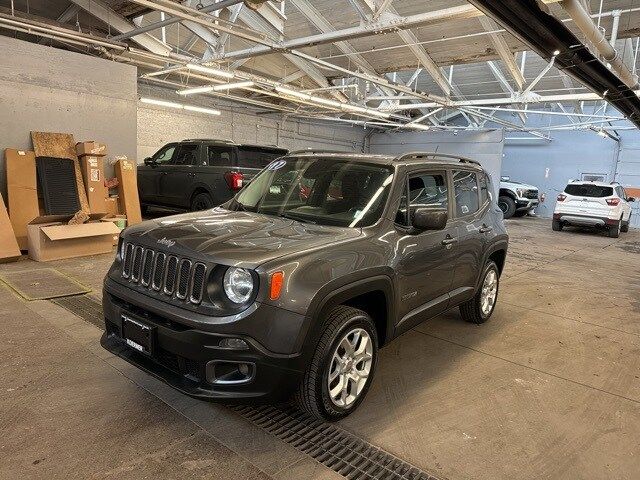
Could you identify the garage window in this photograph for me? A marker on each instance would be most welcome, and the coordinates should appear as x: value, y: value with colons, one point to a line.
x: 465, y: 186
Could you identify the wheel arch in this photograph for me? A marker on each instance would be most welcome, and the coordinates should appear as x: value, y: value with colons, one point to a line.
x: 505, y: 192
x: 197, y: 189
x: 374, y: 295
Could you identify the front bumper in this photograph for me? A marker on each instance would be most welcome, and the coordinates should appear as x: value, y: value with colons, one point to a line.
x: 188, y: 358
x: 526, y: 204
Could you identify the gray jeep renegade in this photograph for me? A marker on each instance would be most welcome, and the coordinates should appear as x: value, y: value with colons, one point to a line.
x: 293, y: 286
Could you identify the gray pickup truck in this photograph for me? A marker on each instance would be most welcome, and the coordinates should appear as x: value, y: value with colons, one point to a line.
x: 200, y: 173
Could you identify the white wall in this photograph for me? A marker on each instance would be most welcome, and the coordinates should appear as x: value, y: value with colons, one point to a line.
x: 52, y: 90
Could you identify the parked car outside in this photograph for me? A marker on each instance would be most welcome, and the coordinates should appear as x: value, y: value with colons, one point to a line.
x: 291, y: 287
x: 517, y: 199
x: 199, y: 174
x: 593, y: 204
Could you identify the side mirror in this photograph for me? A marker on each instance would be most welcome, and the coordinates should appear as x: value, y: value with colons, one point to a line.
x: 631, y: 199
x: 149, y: 161
x: 429, y: 219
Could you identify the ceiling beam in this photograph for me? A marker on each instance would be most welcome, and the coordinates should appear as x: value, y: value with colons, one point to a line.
x: 106, y: 14
x: 503, y: 51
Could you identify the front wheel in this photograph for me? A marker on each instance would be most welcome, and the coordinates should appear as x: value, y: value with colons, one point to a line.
x: 481, y: 306
x: 614, y: 230
x: 625, y: 225
x: 556, y: 225
x: 507, y: 205
x: 339, y: 375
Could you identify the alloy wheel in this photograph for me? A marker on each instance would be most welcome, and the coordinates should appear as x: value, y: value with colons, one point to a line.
x: 350, y: 367
x: 489, y: 292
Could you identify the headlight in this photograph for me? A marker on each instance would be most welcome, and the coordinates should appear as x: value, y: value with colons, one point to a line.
x: 238, y: 284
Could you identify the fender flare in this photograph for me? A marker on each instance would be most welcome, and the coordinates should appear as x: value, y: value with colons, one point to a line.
x: 331, y: 295
x: 501, y: 244
x: 507, y: 193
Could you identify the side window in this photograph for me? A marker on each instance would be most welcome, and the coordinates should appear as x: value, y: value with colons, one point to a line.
x: 186, y: 155
x: 466, y: 192
x: 165, y: 154
x: 218, y: 156
x: 484, y: 188
x: 426, y: 190
x: 249, y: 157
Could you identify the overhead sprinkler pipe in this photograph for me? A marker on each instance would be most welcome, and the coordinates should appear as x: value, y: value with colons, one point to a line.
x: 593, y: 34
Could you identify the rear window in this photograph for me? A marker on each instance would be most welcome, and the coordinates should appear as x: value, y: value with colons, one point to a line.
x: 596, y: 191
x: 253, y: 157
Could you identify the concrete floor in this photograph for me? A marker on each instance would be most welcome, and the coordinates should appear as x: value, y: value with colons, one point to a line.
x: 548, y: 389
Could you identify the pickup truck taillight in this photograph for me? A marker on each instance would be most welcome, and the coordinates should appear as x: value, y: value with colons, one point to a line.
x: 234, y: 180
x: 613, y: 202
x: 561, y: 197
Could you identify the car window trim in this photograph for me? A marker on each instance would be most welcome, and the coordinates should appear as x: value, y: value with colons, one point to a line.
x: 455, y: 210
x: 445, y: 172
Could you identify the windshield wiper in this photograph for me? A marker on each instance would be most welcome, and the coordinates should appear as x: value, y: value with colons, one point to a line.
x: 293, y: 216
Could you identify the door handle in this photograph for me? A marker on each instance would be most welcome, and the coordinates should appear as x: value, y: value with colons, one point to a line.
x: 164, y: 173
x: 449, y: 241
x: 190, y: 174
x: 485, y: 229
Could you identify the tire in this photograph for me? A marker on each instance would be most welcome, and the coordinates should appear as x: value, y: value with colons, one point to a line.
x: 521, y: 213
x: 614, y: 230
x: 507, y: 205
x: 556, y: 225
x: 473, y: 311
x: 625, y: 225
x: 313, y: 395
x: 201, y: 201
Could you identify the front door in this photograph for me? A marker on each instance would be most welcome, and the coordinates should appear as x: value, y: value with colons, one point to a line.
x: 149, y: 174
x: 176, y: 177
x: 425, y: 259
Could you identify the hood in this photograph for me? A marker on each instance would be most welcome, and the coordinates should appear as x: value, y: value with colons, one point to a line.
x: 515, y: 185
x: 243, y: 239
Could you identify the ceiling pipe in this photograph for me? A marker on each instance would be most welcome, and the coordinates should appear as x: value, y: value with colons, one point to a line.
x: 583, y: 21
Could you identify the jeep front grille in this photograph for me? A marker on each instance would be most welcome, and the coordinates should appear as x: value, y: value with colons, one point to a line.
x: 531, y: 194
x: 179, y: 278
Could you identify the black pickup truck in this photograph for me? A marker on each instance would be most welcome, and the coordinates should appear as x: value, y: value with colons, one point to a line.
x: 200, y: 173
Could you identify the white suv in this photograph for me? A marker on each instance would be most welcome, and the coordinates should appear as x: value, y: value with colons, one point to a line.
x: 594, y: 204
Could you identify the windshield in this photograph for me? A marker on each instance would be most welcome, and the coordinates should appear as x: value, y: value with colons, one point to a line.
x: 587, y: 190
x: 325, y: 191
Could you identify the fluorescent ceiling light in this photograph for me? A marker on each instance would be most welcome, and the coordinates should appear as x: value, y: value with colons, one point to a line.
x: 293, y: 93
x: 209, y: 70
x: 192, y: 91
x: 161, y: 103
x: 230, y: 86
x: 210, y: 111
x: 192, y: 108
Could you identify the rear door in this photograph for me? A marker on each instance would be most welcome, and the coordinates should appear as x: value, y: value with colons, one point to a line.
x: 626, y: 206
x: 471, y: 224
x: 220, y: 164
x: 149, y: 175
x: 177, y: 176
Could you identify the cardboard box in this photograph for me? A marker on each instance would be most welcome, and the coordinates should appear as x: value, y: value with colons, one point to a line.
x: 93, y: 174
x: 128, y: 190
x: 112, y: 206
x: 119, y: 221
x: 22, y: 189
x: 91, y: 148
x: 50, y: 238
x: 9, y: 250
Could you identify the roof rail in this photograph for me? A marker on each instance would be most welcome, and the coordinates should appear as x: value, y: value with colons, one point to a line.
x: 219, y: 140
x: 409, y: 155
x: 313, y: 150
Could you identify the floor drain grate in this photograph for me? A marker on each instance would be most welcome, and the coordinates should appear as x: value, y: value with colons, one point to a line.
x: 335, y: 448
x: 343, y: 452
x: 83, y: 306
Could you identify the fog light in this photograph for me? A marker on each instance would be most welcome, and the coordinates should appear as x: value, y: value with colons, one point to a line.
x: 233, y: 344
x: 243, y: 368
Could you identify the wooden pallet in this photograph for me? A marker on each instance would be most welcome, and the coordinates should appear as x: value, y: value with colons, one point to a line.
x: 61, y: 145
